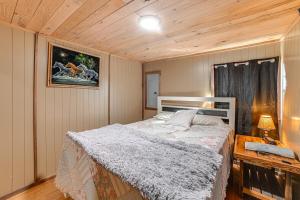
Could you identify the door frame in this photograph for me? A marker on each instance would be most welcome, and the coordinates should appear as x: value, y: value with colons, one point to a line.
x: 145, y: 88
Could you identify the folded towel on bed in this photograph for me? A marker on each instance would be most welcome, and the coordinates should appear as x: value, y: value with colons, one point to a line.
x: 268, y: 148
x: 159, y: 168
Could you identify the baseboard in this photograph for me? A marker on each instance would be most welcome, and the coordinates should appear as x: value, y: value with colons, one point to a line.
x: 26, y: 188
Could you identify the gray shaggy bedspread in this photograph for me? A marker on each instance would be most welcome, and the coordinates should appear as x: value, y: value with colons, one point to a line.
x: 159, y: 168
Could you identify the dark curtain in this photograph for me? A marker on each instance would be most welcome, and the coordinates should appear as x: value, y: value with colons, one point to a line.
x: 265, y: 96
x: 255, y: 88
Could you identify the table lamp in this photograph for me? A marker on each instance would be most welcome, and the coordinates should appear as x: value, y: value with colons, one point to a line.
x: 266, y: 124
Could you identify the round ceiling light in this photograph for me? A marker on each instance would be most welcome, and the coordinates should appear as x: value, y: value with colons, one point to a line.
x: 150, y: 23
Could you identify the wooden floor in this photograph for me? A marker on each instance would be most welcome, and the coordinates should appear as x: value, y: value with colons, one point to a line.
x: 44, y: 191
x: 233, y: 185
x: 48, y: 191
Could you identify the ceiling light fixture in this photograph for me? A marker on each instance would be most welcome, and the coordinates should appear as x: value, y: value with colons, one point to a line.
x: 150, y: 23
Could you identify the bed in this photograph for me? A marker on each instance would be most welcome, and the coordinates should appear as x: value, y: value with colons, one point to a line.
x: 82, y: 176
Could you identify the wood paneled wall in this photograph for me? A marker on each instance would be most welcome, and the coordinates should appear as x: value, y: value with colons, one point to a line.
x: 191, y: 76
x: 291, y: 109
x: 58, y: 110
x: 125, y: 90
x: 63, y: 109
x: 16, y: 109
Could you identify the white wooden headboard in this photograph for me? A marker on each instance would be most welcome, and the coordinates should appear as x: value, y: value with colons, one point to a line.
x: 223, y: 113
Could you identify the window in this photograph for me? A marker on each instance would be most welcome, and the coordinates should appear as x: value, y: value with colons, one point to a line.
x: 283, y: 90
x: 152, y: 89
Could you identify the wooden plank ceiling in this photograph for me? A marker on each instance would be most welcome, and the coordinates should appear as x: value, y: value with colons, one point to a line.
x: 188, y: 26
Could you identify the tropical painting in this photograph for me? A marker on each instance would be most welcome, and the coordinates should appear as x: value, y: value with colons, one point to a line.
x: 67, y: 67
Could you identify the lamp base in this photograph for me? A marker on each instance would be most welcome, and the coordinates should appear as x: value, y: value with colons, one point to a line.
x: 268, y: 139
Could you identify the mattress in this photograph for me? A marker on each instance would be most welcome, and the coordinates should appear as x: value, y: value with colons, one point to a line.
x: 82, y: 178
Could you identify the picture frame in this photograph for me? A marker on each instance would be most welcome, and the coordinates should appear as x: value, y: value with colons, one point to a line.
x: 71, y: 68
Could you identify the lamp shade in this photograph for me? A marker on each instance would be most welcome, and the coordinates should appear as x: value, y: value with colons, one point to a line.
x: 266, y: 123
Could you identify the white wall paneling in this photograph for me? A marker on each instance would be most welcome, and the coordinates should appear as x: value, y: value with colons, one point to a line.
x: 16, y: 109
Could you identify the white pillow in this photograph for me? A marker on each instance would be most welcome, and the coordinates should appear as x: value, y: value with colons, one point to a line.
x: 164, y: 115
x: 182, y: 118
x: 207, y: 120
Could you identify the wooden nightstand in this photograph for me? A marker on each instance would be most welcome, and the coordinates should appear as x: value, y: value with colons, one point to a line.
x: 263, y: 161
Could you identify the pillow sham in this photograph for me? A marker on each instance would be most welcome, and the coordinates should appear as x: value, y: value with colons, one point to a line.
x: 207, y: 120
x: 164, y: 115
x: 182, y: 118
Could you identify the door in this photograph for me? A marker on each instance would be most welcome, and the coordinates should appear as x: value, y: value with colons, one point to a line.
x: 152, y: 89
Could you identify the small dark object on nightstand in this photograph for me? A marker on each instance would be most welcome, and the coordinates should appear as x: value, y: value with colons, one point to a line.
x: 270, y: 140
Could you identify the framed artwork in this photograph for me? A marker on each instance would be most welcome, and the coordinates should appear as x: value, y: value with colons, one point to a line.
x: 70, y: 68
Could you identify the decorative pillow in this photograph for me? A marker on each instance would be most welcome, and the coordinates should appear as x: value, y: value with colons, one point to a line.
x: 207, y: 120
x: 164, y: 115
x: 182, y: 118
